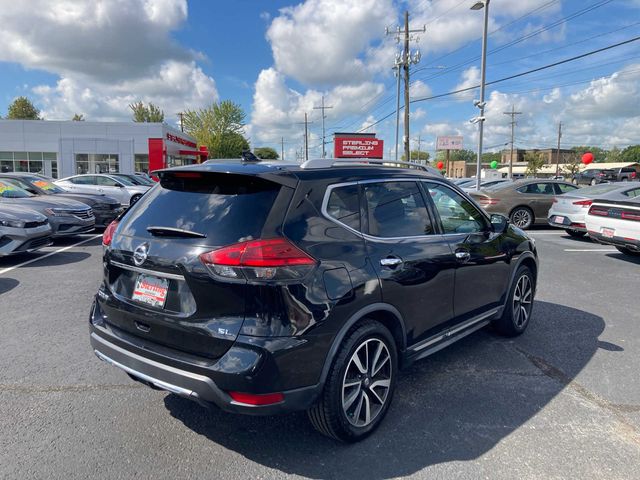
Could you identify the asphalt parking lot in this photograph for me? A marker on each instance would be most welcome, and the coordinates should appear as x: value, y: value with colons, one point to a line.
x: 561, y: 401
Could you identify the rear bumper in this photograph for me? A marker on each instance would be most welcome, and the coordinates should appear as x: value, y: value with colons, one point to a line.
x: 631, y: 244
x: 252, y: 365
x: 569, y: 222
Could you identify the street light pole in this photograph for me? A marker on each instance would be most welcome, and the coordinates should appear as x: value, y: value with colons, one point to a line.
x: 481, y: 104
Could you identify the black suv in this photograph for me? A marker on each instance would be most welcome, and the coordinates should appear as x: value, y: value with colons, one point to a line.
x: 266, y: 287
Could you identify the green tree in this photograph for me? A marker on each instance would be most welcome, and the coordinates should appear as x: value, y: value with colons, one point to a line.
x: 22, y: 109
x: 146, y: 113
x: 535, y: 161
x: 78, y: 117
x: 614, y: 155
x: 220, y: 127
x: 599, y: 155
x: 468, y: 156
x: 631, y: 154
x: 418, y: 156
x: 266, y: 153
x: 489, y: 157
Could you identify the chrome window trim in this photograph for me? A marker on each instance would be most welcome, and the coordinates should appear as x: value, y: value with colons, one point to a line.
x: 172, y: 276
x: 327, y: 193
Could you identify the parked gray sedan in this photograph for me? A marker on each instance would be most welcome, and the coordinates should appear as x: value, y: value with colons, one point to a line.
x: 22, y: 230
x: 67, y: 217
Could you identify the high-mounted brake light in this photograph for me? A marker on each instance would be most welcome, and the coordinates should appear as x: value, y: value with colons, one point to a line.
x: 186, y: 174
x: 107, y: 235
x: 259, y: 260
x: 584, y: 203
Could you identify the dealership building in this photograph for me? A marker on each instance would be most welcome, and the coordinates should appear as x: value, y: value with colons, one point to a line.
x: 62, y: 148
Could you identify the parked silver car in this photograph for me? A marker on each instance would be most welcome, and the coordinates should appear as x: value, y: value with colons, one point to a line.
x: 67, y: 217
x: 119, y: 188
x: 22, y: 230
x: 569, y: 210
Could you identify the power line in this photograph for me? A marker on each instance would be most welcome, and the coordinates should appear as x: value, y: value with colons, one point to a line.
x: 522, y: 74
x: 323, y: 108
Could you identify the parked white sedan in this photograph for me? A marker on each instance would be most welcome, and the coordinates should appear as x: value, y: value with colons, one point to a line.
x: 117, y: 187
x: 616, y: 223
x: 569, y: 209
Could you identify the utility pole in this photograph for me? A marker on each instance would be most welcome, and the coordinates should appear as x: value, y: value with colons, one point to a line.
x: 181, y: 117
x: 306, y: 136
x: 323, y: 108
x: 281, y: 148
x: 397, y: 73
x: 479, y: 5
x: 558, y: 156
x: 404, y: 60
x: 513, y: 114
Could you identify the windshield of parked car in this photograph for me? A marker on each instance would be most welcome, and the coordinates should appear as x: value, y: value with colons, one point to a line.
x: 10, y: 190
x: 124, y: 180
x: 44, y: 185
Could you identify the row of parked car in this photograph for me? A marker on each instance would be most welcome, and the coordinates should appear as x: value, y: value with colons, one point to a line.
x: 607, y: 212
x: 34, y: 209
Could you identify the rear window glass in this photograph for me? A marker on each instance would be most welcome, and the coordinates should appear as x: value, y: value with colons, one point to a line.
x: 226, y: 208
x: 344, y: 206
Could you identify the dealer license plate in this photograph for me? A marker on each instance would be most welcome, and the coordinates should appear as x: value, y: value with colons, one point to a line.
x: 151, y: 290
x: 608, y: 232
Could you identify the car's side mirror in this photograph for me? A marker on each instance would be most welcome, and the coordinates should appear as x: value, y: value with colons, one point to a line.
x: 499, y: 223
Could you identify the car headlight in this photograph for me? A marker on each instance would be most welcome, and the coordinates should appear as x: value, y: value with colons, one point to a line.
x: 12, y: 223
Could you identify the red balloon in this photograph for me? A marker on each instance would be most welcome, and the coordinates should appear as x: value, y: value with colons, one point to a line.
x: 440, y: 165
x: 587, y: 158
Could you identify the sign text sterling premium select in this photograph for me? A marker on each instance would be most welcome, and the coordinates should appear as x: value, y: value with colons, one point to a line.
x: 357, y: 145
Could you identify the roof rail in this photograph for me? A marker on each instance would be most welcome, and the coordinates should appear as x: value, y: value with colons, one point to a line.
x: 330, y: 162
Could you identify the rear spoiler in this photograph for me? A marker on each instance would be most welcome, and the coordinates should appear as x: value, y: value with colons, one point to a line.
x: 277, y: 175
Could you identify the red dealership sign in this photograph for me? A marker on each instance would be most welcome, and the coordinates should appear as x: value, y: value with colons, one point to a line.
x: 182, y: 141
x: 352, y: 146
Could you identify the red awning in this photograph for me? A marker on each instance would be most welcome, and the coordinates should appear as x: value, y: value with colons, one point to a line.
x: 193, y: 152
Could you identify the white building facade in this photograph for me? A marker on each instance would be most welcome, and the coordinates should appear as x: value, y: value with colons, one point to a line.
x: 59, y: 149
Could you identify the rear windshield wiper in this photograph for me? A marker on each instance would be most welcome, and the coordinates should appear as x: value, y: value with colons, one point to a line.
x: 174, y: 232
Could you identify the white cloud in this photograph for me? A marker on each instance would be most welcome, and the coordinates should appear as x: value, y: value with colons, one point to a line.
x: 420, y: 89
x: 470, y: 78
x: 106, y: 54
x: 321, y: 42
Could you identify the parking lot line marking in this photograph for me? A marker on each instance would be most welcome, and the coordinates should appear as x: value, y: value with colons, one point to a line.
x: 64, y: 249
x: 546, y: 233
x: 590, y: 250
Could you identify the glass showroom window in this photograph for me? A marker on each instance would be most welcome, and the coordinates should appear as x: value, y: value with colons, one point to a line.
x: 97, y: 163
x: 6, y: 162
x: 36, y: 165
x: 50, y: 164
x: 141, y: 162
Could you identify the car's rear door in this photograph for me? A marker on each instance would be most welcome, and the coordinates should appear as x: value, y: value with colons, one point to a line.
x: 412, y: 260
x: 112, y: 188
x: 482, y: 260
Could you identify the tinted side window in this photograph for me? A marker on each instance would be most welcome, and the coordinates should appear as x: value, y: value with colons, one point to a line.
x: 107, y: 182
x: 344, y: 206
x: 538, y: 188
x: 457, y: 214
x: 396, y: 209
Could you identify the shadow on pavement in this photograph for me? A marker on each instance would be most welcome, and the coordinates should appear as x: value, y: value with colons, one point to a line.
x: 625, y: 258
x: 455, y: 405
x: 62, y: 258
x: 8, y: 284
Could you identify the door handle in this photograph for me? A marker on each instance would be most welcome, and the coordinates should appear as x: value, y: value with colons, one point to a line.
x: 462, y: 256
x: 391, y: 262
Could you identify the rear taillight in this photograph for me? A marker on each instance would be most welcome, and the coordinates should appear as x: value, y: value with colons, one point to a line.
x: 273, y: 259
x: 584, y: 203
x: 107, y: 235
x: 627, y: 215
x: 599, y: 211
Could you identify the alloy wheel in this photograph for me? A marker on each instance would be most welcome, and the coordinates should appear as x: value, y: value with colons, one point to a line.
x: 522, y: 301
x: 521, y: 218
x: 366, y: 382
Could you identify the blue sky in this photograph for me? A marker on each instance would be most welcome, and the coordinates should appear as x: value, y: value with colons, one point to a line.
x: 278, y: 58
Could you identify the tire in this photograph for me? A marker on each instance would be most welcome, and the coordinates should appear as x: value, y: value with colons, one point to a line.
x: 625, y: 179
x: 627, y: 251
x: 521, y: 217
x: 517, y: 311
x: 347, y: 384
x: 134, y: 199
x: 575, y: 233
x: 594, y: 182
